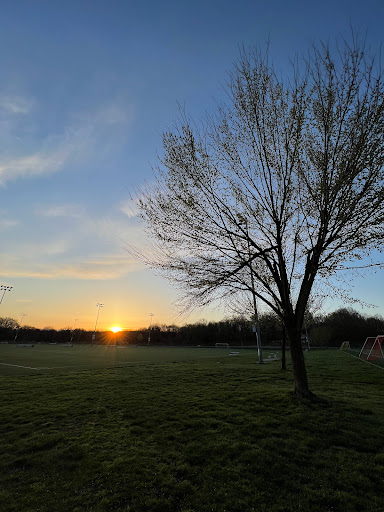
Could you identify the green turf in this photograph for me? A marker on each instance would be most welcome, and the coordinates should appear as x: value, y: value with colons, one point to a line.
x: 376, y: 362
x: 18, y: 360
x: 211, y: 434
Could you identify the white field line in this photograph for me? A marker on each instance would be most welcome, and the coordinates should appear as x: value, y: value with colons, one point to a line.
x: 72, y: 366
x: 19, y: 366
x: 77, y: 365
x: 115, y: 363
x: 92, y: 366
x: 365, y: 361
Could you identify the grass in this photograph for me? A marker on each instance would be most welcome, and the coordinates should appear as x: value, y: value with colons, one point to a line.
x: 194, y: 435
x: 376, y: 362
x: 17, y: 360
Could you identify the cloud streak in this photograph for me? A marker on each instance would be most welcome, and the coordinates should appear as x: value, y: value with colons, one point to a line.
x: 82, y: 140
x: 8, y: 223
x: 69, y: 210
x: 103, y: 268
x: 5, y: 222
x: 15, y: 104
x: 37, y: 164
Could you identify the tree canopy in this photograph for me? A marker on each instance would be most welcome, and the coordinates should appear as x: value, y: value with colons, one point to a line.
x: 281, y: 186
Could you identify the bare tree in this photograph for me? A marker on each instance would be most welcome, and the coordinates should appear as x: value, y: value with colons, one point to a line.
x: 284, y: 183
x: 9, y: 323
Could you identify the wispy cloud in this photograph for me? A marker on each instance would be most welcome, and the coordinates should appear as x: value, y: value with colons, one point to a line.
x: 88, y: 133
x: 32, y: 165
x: 64, y: 210
x: 15, y: 104
x: 68, y: 242
x: 105, y: 267
x: 8, y: 223
x: 5, y: 222
x: 56, y: 247
x: 129, y: 208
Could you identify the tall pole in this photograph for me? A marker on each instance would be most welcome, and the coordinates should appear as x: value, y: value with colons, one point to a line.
x: 306, y: 334
x: 4, y: 289
x: 99, y: 305
x: 21, y: 321
x: 149, y: 330
x: 256, y: 326
x: 73, y: 330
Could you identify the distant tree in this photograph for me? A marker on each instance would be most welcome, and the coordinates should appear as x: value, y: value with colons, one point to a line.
x: 374, y: 325
x: 8, y: 327
x: 282, y: 186
x: 29, y: 328
x: 270, y: 325
x: 9, y: 323
x: 345, y: 324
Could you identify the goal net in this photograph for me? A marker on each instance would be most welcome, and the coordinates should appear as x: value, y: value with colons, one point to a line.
x: 345, y: 345
x: 372, y: 348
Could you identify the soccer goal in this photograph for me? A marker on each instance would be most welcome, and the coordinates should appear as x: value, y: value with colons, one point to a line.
x: 372, y: 348
x: 222, y: 345
x: 345, y: 345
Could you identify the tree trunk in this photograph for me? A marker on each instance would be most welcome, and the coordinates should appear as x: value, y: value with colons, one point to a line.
x: 301, y: 389
x: 283, y: 352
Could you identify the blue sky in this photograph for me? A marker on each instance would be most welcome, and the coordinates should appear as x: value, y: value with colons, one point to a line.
x: 87, y: 88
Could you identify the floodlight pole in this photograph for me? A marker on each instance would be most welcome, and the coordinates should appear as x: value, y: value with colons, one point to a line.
x: 4, y: 289
x: 256, y: 326
x: 17, y: 330
x: 99, y: 305
x: 307, y: 337
x: 241, y: 338
x: 149, y: 330
x: 73, y: 330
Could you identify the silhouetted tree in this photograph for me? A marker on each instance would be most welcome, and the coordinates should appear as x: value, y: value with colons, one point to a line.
x: 374, y: 325
x: 345, y: 324
x: 8, y: 328
x: 9, y: 323
x: 284, y: 183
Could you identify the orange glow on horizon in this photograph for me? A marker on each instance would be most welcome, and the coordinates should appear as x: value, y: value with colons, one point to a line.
x: 115, y: 329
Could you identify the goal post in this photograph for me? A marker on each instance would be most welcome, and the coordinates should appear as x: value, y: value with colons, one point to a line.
x: 345, y: 345
x: 368, y: 344
x: 372, y: 348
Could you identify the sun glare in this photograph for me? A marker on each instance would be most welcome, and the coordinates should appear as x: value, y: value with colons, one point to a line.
x: 115, y: 329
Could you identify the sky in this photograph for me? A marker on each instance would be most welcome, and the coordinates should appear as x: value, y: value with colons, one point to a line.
x: 87, y: 88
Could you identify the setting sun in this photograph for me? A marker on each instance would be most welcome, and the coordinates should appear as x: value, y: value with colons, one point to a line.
x: 115, y: 329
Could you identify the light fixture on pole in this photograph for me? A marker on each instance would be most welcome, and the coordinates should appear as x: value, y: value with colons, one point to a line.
x: 4, y: 289
x: 149, y: 330
x: 98, y: 305
x: 17, y: 329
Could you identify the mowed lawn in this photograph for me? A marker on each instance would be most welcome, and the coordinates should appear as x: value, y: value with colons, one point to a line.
x: 20, y: 360
x: 206, y: 433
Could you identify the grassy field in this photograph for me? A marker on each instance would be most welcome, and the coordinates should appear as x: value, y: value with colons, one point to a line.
x: 184, y: 430
x: 376, y: 362
x: 18, y: 360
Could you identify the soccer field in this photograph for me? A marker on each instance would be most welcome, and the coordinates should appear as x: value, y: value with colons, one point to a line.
x: 375, y: 362
x: 19, y: 360
x: 155, y: 429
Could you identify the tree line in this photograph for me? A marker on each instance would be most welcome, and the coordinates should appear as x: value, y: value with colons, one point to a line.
x: 328, y: 330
